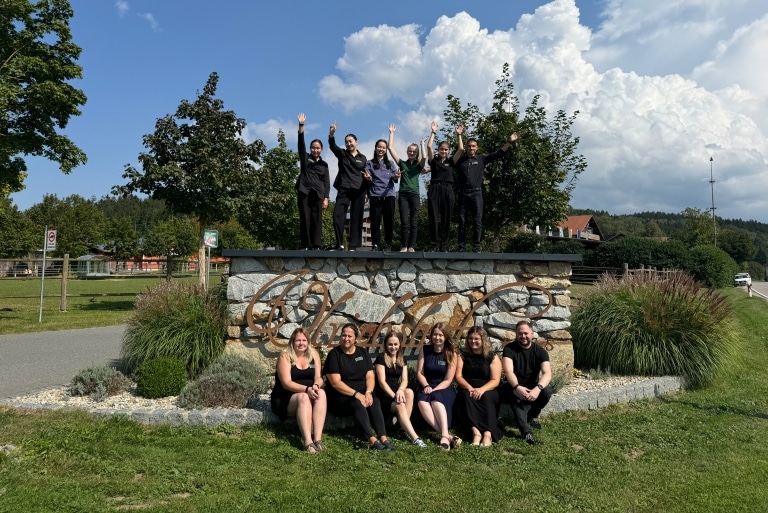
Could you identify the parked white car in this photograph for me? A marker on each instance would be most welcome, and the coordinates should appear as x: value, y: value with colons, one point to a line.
x: 742, y: 280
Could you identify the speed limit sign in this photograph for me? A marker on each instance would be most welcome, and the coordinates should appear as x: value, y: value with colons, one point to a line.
x: 50, y: 240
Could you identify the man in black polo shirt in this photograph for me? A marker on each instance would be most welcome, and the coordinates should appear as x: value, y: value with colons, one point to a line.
x: 471, y: 168
x: 526, y: 367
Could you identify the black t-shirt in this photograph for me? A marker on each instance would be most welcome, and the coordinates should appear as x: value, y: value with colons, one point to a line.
x: 526, y: 363
x: 471, y: 169
x: 392, y: 375
x: 351, y: 367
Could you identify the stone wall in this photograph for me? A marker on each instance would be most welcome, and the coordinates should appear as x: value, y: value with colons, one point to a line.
x: 271, y: 293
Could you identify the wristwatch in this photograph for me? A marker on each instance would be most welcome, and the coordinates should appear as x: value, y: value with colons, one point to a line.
x: 540, y: 387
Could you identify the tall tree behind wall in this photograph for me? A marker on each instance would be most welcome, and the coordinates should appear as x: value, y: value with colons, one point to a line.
x: 197, y: 163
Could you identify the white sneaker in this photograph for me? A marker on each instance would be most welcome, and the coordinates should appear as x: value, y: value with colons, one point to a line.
x: 420, y: 443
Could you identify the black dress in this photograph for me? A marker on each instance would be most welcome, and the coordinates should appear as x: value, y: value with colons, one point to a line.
x: 482, y: 414
x: 434, y: 370
x: 392, y: 376
x: 280, y: 397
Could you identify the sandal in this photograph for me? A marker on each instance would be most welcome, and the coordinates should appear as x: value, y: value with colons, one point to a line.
x: 455, y: 442
x: 444, y: 446
x: 319, y: 445
x: 311, y: 448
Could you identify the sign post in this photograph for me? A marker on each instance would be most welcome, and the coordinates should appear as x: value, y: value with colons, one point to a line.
x: 210, y: 240
x: 49, y: 244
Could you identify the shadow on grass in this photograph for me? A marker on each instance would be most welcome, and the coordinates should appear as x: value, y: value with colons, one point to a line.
x: 718, y: 408
x: 105, y: 306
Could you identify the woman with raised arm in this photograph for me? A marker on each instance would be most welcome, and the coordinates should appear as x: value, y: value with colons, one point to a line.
x: 392, y: 386
x: 298, y: 390
x: 478, y: 374
x: 351, y: 188
x: 313, y: 187
x: 409, y: 197
x: 350, y: 375
x: 382, y: 175
x: 435, y: 370
x: 440, y: 197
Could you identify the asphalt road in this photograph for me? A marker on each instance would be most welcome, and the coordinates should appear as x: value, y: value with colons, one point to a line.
x: 34, y: 361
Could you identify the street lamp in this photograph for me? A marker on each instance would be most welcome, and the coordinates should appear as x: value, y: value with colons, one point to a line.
x: 712, y: 185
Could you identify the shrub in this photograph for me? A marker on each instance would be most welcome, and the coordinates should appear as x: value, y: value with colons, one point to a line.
x: 526, y: 242
x: 755, y: 269
x: 177, y: 320
x: 98, y: 383
x: 229, y: 382
x: 648, y: 326
x: 161, y: 377
x: 713, y: 266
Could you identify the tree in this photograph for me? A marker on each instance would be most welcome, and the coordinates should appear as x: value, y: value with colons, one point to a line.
x: 20, y: 236
x: 197, y: 163
x: 175, y: 237
x: 273, y: 218
x: 122, y: 239
x: 697, y: 228
x: 532, y: 184
x: 143, y: 213
x: 37, y: 63
x: 737, y: 243
x: 80, y: 224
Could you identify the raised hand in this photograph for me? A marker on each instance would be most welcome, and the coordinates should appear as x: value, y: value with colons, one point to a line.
x: 302, y: 118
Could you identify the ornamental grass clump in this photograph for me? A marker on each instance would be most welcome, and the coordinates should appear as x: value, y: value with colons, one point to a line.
x: 176, y: 320
x: 229, y: 382
x: 645, y: 325
x: 98, y: 383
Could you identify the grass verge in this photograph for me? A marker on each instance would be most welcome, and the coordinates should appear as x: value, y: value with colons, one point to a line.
x: 705, y: 450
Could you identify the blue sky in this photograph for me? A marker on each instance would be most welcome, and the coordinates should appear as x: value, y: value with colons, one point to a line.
x: 661, y: 86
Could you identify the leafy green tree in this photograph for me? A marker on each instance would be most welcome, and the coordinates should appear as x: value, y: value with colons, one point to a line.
x: 197, y: 163
x: 38, y: 60
x: 697, y: 228
x: 143, y: 213
x: 232, y: 235
x: 273, y: 218
x: 532, y: 184
x: 713, y: 266
x: 122, y: 239
x: 634, y: 251
x: 80, y: 225
x: 652, y: 229
x: 737, y: 243
x: 20, y: 235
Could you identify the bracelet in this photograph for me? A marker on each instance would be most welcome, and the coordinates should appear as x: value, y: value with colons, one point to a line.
x: 306, y: 390
x: 515, y: 386
x: 354, y: 395
x: 301, y: 124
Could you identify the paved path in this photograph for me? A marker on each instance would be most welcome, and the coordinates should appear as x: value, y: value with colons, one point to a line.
x: 34, y: 361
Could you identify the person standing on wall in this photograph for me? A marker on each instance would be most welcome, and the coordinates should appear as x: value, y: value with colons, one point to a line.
x: 382, y: 174
x: 409, y: 197
x: 351, y: 188
x: 470, y: 168
x: 440, y: 196
x: 313, y: 187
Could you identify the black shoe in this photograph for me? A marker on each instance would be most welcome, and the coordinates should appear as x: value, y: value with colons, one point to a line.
x: 476, y: 250
x: 316, y: 248
x: 534, y: 423
x: 377, y: 446
x: 387, y: 248
x: 375, y: 247
x: 388, y: 445
x: 352, y: 249
x: 337, y: 248
x: 529, y: 439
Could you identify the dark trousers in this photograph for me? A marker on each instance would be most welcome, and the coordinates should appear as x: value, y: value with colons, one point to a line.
x: 310, y: 219
x: 352, y: 200
x: 382, y: 209
x: 471, y: 205
x: 440, y: 209
x: 369, y: 421
x: 408, y: 203
x: 525, y: 410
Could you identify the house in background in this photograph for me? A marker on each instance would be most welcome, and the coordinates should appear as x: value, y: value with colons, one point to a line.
x: 582, y: 228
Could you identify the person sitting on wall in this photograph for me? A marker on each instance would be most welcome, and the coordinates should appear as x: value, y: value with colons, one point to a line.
x: 350, y: 375
x: 528, y: 372
x: 298, y: 390
x: 478, y: 374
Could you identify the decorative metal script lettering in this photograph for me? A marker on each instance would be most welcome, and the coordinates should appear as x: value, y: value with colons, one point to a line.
x: 369, y: 332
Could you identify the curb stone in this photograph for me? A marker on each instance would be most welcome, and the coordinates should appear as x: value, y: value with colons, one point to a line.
x: 259, y: 410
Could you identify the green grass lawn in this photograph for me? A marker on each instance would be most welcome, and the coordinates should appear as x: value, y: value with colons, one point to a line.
x: 90, y: 303
x: 703, y: 450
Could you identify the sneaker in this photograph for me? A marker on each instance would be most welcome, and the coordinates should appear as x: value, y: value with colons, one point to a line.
x: 387, y: 446
x: 352, y: 249
x: 404, y: 250
x: 419, y: 443
x: 388, y: 248
x: 337, y: 248
x: 411, y: 250
x: 534, y: 423
x: 529, y: 439
x: 377, y: 446
x: 375, y: 247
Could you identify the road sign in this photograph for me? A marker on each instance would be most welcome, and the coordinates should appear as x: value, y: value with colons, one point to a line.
x: 50, y: 240
x: 211, y: 238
